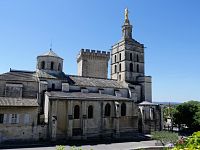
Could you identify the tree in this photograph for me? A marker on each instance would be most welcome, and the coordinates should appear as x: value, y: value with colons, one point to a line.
x: 168, y: 113
x: 188, y: 113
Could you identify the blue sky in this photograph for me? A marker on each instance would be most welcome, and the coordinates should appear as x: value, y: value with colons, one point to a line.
x: 169, y: 29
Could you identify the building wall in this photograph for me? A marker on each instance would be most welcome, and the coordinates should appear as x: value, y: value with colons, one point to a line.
x: 98, y: 125
x: 29, y: 89
x: 120, y: 56
x: 48, y: 59
x: 151, y: 118
x: 24, y: 128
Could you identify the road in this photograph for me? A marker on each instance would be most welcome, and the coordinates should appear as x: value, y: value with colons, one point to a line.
x: 110, y: 146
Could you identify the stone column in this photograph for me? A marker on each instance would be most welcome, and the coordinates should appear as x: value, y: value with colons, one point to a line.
x: 84, y: 119
x: 70, y: 118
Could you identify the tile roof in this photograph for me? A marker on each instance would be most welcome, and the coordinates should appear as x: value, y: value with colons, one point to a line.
x: 83, y: 96
x: 43, y: 74
x: 18, y: 75
x: 147, y: 103
x: 9, y: 101
x: 50, y: 53
x: 94, y: 82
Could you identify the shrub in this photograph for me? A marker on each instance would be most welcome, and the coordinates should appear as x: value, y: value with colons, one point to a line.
x: 165, y: 137
x: 60, y: 147
x: 190, y: 143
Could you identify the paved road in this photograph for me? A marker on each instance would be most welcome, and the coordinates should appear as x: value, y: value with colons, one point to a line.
x: 110, y: 146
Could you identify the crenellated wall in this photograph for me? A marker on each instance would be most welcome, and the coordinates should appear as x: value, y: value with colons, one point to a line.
x: 93, y: 63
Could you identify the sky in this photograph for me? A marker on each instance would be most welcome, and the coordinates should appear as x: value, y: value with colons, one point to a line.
x: 169, y: 29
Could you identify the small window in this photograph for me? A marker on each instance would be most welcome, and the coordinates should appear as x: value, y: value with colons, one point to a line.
x: 144, y: 114
x: 131, y: 56
x: 119, y: 77
x: 1, y: 118
x: 26, y: 119
x: 120, y: 67
x: 123, y: 109
x: 131, y: 67
x: 115, y: 58
x: 115, y: 69
x: 14, y: 118
x: 120, y: 56
x: 76, y: 112
x: 52, y: 65
x: 107, y: 110
x: 53, y: 86
x: 90, y: 112
x: 43, y: 65
x: 137, y: 58
x: 138, y: 68
x: 59, y: 67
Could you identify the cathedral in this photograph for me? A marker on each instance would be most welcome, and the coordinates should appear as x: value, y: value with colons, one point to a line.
x: 50, y: 104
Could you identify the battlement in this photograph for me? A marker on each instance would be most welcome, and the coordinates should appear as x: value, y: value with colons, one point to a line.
x: 93, y: 63
x: 94, y: 52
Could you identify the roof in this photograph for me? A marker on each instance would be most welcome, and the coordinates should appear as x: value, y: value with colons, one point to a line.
x: 83, y: 96
x: 94, y: 82
x: 19, y: 75
x: 50, y: 53
x: 15, y: 102
x: 147, y: 103
x: 52, y: 75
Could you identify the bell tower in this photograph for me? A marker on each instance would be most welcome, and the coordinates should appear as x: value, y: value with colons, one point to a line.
x: 127, y: 56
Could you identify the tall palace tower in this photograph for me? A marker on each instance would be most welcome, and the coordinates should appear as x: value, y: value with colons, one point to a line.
x: 127, y: 56
x: 127, y: 62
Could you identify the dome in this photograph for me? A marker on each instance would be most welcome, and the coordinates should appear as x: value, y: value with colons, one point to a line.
x: 50, y: 53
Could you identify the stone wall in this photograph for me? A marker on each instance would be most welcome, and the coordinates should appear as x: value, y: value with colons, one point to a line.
x: 29, y: 89
x: 61, y: 116
x: 92, y: 63
x: 25, y: 128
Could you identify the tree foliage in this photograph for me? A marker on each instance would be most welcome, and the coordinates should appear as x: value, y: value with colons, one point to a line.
x: 188, y: 113
x: 190, y: 143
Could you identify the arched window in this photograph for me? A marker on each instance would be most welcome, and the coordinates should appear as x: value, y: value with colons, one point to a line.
x: 123, y: 109
x: 76, y: 112
x: 131, y: 67
x: 42, y: 64
x: 90, y: 112
x: 138, y: 68
x: 119, y: 77
x: 115, y: 69
x: 120, y: 56
x: 115, y: 58
x: 52, y: 64
x: 120, y: 67
x: 59, y: 67
x: 137, y: 58
x: 131, y: 56
x: 107, y: 110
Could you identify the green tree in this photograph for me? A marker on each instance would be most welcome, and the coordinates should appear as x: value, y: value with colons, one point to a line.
x: 188, y: 113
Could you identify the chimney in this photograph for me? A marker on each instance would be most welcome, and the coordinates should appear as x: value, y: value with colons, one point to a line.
x: 65, y: 87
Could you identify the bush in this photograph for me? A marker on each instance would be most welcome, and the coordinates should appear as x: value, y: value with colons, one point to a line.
x: 60, y: 147
x: 165, y: 137
x: 190, y: 143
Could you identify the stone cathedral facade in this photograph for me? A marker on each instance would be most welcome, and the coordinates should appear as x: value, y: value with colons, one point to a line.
x: 50, y: 104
